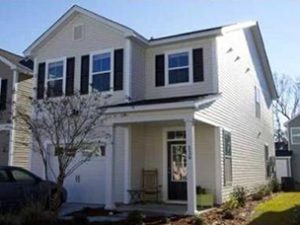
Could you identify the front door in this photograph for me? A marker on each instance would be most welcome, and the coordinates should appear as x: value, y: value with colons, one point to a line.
x: 177, y: 171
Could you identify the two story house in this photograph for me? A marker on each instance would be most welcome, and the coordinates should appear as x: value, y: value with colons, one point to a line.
x: 16, y: 87
x: 197, y: 106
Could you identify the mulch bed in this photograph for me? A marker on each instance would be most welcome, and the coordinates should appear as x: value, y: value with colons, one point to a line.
x: 242, y: 216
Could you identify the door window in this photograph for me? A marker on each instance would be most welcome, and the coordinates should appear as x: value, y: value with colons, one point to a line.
x: 178, y: 163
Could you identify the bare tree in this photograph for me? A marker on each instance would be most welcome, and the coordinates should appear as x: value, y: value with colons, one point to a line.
x: 68, y: 123
x: 288, y: 103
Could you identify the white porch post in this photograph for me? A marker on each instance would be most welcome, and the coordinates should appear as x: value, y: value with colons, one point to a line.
x: 191, y: 165
x: 109, y: 192
x: 127, y: 163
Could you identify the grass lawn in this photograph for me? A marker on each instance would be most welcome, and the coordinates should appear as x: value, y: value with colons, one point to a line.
x: 277, y: 211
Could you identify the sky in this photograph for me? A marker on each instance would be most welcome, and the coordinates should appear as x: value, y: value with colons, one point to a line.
x: 22, y: 21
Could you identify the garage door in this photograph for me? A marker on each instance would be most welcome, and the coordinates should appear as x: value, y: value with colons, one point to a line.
x: 87, y: 183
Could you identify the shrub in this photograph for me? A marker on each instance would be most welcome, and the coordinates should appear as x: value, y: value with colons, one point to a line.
x: 166, y: 220
x: 239, y: 194
x: 198, y: 220
x: 34, y: 214
x: 80, y: 219
x: 231, y: 204
x: 257, y: 195
x: 135, y: 218
x: 266, y: 190
x: 296, y: 215
x: 8, y: 219
x: 274, y: 185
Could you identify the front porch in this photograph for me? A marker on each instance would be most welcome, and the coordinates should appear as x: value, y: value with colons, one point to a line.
x: 185, y: 152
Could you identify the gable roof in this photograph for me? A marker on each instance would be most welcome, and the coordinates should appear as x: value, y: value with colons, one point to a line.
x: 73, y: 11
x: 15, y: 61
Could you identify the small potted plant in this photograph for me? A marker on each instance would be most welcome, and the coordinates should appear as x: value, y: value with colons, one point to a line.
x: 204, y: 199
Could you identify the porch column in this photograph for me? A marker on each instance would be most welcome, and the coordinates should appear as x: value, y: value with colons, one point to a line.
x: 109, y: 191
x: 191, y: 165
x: 127, y: 163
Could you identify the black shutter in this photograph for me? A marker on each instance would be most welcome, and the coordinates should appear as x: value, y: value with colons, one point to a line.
x: 198, y: 65
x: 70, y: 76
x: 3, y: 96
x: 85, y: 68
x: 160, y: 70
x: 41, y: 80
x: 118, y: 69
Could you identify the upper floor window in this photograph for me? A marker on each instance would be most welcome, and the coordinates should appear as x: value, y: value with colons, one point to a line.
x: 257, y: 103
x: 295, y: 135
x: 55, y: 78
x: 178, y: 68
x: 101, y: 71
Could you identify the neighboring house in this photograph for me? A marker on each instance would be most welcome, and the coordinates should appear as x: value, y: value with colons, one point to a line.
x: 293, y: 127
x: 196, y: 106
x: 16, y: 86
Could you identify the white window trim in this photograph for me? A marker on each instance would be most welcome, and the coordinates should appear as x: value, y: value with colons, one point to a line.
x: 111, y: 52
x: 292, y: 130
x: 64, y: 59
x: 73, y: 33
x: 190, y: 66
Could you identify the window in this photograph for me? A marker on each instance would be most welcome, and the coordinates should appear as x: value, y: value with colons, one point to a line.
x: 267, y: 162
x: 295, y: 135
x: 227, y: 158
x: 176, y: 135
x: 78, y: 32
x: 101, y: 71
x: 55, y: 78
x: 97, y: 151
x: 22, y: 176
x: 178, y: 68
x: 4, y: 176
x: 257, y: 103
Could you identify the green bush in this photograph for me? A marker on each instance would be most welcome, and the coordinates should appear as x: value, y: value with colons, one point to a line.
x: 231, y: 204
x: 8, y: 219
x: 135, y: 218
x: 296, y: 215
x: 257, y: 195
x: 198, y: 220
x: 80, y: 219
x: 35, y: 214
x: 166, y: 220
x: 274, y: 185
x: 239, y: 194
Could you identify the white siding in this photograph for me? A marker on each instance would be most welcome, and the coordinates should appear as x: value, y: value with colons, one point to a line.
x: 236, y: 109
x: 210, y: 78
x: 97, y: 37
x: 138, y: 71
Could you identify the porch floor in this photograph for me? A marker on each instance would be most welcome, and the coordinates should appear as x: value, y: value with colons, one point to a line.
x: 155, y: 208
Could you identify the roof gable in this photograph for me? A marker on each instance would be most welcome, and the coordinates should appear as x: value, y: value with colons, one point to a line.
x: 73, y: 11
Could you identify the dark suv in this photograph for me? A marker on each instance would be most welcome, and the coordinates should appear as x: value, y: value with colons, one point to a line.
x: 19, y: 187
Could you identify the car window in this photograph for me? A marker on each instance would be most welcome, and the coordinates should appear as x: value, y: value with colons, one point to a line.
x: 4, y: 176
x: 21, y: 176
